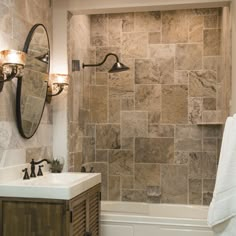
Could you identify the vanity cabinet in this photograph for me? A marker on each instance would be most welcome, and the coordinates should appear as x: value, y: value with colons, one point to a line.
x: 47, y: 217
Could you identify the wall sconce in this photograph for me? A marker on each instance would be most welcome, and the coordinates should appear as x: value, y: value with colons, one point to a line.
x: 59, y: 82
x: 12, y: 63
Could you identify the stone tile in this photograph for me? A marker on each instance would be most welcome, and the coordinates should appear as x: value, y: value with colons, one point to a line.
x: 195, y: 165
x: 99, y: 40
x: 154, y: 71
x: 114, y: 188
x: 84, y: 118
x: 101, y: 155
x: 207, y: 197
x: 154, y: 117
x: 121, y: 162
x: 127, y: 181
x: 146, y: 175
x: 174, y: 184
x: 205, y: 11
x: 209, y: 103
x: 188, y: 57
x: 114, y: 110
x: 103, y: 169
x: 98, y: 102
x: 174, y: 27
x: 98, y: 24
x: 212, y: 131
x: 154, y: 37
x: 153, y: 191
x: 108, y: 136
x: 147, y: 71
x: 36, y: 153
x: 127, y: 143
x: 114, y: 33
x: 181, y: 158
x: 134, y: 195
x: 134, y: 124
x: 101, y: 78
x: 78, y: 160
x: 181, y: 77
x: 127, y: 20
x: 208, y: 185
x: 188, y: 145
x: 195, y: 108
x: 211, y: 63
x: 157, y: 131
x: 90, y: 130
x: 88, y: 149
x: 209, y: 165
x: 6, y: 19
x: 174, y: 103
x: 127, y: 104
x: 147, y: 21
x: 195, y: 191
x: 196, y: 29
x: 134, y: 45
x: 147, y: 97
x: 209, y: 144
x: 212, y: 41
x: 211, y: 21
x: 202, y: 84
x: 162, y: 51
x: 154, y: 150
x: 215, y: 117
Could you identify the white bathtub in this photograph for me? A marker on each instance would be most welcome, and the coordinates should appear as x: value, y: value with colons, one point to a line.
x: 143, y: 219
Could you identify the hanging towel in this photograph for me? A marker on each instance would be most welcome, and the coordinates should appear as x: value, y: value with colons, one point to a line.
x: 223, y: 206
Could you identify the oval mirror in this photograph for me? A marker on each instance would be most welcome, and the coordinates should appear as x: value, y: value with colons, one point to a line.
x: 32, y: 87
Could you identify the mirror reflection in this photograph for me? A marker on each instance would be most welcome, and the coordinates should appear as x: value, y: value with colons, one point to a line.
x: 32, y: 87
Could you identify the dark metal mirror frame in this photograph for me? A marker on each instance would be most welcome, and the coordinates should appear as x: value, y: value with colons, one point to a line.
x: 19, y: 84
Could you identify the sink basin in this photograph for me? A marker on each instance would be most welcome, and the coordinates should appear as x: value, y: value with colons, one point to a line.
x: 51, y: 186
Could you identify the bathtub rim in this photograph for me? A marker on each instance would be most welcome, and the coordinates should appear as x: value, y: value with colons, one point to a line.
x: 114, y: 217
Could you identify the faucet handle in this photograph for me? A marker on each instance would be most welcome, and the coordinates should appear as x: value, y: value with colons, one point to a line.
x: 40, y: 173
x: 26, y: 175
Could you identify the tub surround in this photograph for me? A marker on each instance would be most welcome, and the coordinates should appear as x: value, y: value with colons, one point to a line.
x: 141, y: 128
x: 138, y: 219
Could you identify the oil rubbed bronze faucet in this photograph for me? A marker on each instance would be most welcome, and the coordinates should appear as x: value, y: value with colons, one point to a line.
x: 33, y: 163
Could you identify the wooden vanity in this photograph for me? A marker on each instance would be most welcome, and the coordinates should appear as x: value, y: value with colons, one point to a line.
x: 48, y: 217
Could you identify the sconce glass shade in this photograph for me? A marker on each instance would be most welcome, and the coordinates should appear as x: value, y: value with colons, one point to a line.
x: 59, y: 79
x: 12, y: 57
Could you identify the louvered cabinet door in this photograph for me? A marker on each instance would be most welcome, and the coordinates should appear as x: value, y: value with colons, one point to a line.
x: 85, y: 211
x: 94, y: 213
x: 79, y: 217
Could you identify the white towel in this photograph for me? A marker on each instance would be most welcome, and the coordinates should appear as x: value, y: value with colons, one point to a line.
x: 223, y: 205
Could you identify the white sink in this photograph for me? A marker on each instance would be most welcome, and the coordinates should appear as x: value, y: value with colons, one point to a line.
x: 51, y: 186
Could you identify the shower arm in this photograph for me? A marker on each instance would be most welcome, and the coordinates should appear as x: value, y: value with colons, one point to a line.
x: 104, y: 60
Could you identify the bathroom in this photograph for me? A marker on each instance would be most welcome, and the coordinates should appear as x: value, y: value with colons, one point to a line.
x: 154, y: 131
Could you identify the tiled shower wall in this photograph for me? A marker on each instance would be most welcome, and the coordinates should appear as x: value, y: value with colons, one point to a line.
x: 16, y: 19
x: 154, y: 131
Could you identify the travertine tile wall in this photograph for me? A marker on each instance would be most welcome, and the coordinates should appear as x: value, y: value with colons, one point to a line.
x: 78, y: 93
x: 141, y: 128
x: 16, y: 19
